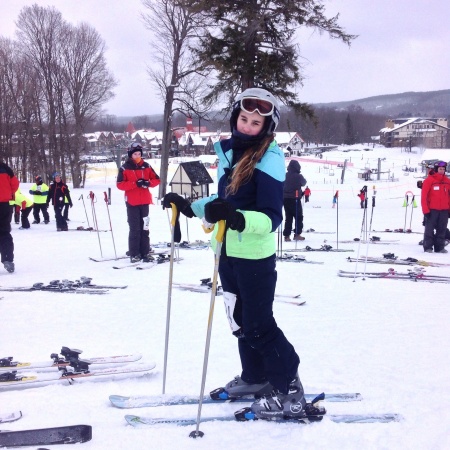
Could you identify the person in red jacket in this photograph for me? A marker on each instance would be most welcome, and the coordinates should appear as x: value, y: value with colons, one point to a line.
x: 8, y: 186
x: 435, y: 201
x: 362, y: 197
x: 135, y: 178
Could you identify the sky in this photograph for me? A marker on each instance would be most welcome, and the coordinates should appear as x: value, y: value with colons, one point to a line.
x: 401, y: 47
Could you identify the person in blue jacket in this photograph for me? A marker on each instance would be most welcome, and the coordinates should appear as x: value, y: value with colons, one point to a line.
x: 249, y: 198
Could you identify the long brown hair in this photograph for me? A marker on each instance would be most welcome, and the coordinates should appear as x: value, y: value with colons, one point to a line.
x: 246, y: 166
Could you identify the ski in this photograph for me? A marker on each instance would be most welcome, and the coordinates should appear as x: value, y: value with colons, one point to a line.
x: 107, y: 259
x: 58, y: 288
x: 323, y: 248
x: 80, y: 370
x: 296, y: 258
x: 160, y: 260
x: 83, y: 283
x: 87, y: 229
x: 398, y: 230
x: 140, y: 421
x: 312, y: 230
x: 73, y: 434
x: 140, y: 265
x: 69, y: 355
x: 10, y: 417
x: 206, y: 287
x: 153, y: 252
x: 144, y: 401
x: 371, y: 241
x: 197, y: 245
x: 381, y: 261
x: 392, y: 274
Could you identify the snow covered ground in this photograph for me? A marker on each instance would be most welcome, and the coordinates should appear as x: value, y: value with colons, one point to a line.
x: 387, y: 339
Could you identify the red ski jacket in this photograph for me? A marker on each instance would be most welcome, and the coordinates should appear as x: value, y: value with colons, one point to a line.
x: 435, y: 193
x: 8, y: 183
x: 129, y: 173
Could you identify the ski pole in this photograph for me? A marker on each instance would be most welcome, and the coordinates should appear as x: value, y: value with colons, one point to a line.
x: 87, y: 218
x: 296, y: 217
x: 370, y: 231
x: 336, y: 196
x: 169, y: 290
x: 359, y: 243
x: 412, y: 210
x: 110, y: 224
x: 219, y: 238
x: 94, y: 220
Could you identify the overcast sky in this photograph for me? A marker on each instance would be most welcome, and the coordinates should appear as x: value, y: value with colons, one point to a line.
x: 403, y: 45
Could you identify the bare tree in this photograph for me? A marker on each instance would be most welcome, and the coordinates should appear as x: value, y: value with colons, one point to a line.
x: 88, y: 85
x: 173, y: 70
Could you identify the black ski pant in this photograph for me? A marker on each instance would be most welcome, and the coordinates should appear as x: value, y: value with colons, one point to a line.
x: 139, y: 235
x: 293, y: 211
x: 6, y: 240
x: 435, y: 229
x: 66, y: 211
x: 265, y: 352
x: 24, y: 217
x: 61, y: 223
x: 40, y: 207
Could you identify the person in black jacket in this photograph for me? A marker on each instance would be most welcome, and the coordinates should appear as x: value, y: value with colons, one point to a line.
x: 292, y: 194
x: 57, y: 193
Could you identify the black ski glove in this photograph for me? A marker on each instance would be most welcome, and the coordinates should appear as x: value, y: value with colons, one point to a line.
x: 181, y: 203
x: 142, y: 183
x: 220, y: 209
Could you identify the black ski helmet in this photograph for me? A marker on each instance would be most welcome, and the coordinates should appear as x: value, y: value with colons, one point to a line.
x: 271, y: 121
x: 134, y: 147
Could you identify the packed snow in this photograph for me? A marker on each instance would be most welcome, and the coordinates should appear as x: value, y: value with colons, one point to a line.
x: 386, y: 339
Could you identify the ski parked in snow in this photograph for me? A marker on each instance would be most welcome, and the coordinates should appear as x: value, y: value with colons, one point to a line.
x: 66, y: 375
x: 392, y: 274
x: 68, y: 355
x: 296, y: 258
x: 73, y: 434
x: 322, y: 248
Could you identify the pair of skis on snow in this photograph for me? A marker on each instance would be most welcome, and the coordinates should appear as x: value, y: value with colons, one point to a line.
x: 413, y: 275
x: 83, y: 433
x: 81, y: 286
x: 206, y: 287
x: 165, y: 400
x: 67, y: 369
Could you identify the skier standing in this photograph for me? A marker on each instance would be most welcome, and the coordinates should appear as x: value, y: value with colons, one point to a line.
x: 435, y: 201
x: 250, y: 199
x: 292, y: 194
x: 135, y: 178
x: 57, y: 194
x: 39, y: 190
x: 362, y: 196
x: 8, y: 186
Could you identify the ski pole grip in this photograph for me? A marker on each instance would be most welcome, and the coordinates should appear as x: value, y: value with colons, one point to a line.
x: 173, y: 220
x: 221, y: 231
x: 81, y: 197
x: 106, y: 197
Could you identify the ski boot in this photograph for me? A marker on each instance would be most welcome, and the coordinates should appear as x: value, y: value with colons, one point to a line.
x: 285, y: 407
x: 9, y: 266
x: 238, y: 388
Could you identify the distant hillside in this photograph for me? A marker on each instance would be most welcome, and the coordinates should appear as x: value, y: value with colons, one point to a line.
x: 407, y: 104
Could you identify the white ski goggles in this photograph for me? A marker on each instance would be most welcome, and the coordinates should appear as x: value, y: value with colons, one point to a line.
x: 262, y: 107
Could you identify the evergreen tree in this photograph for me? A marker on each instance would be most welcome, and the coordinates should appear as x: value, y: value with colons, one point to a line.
x: 253, y: 44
